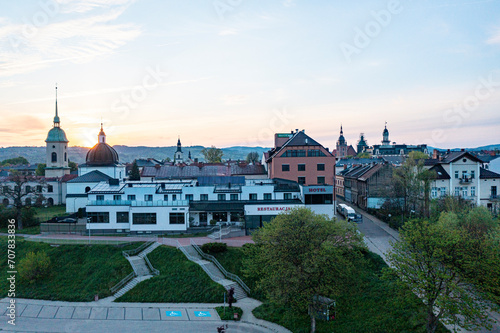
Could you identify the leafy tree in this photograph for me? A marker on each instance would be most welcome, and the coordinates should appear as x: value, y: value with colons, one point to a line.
x: 252, y: 157
x: 299, y: 255
x: 34, y: 266
x: 40, y: 169
x: 212, y: 155
x: 72, y: 165
x: 15, y: 161
x: 17, y: 188
x: 134, y: 173
x: 418, y: 155
x: 427, y: 260
x: 364, y: 154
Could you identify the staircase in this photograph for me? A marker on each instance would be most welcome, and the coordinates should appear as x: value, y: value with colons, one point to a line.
x: 213, y: 270
x: 228, y: 232
x: 143, y: 270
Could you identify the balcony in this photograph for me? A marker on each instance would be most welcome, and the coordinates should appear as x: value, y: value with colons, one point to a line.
x: 494, y: 197
x: 466, y: 180
x: 159, y: 203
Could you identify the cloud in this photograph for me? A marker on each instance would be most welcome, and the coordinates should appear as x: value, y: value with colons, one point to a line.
x: 495, y: 39
x: 28, y: 46
x: 227, y: 32
x: 234, y: 99
x: 288, y: 3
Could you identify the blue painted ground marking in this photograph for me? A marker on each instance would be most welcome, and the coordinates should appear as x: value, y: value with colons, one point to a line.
x: 173, y: 313
x: 202, y: 314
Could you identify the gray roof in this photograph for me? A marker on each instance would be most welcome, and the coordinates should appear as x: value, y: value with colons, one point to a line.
x: 487, y: 174
x: 91, y: 177
x: 297, y: 139
x: 202, y: 170
x: 440, y: 172
x: 455, y: 155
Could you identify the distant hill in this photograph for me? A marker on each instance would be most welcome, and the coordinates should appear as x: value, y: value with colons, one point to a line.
x: 128, y: 154
x: 489, y: 147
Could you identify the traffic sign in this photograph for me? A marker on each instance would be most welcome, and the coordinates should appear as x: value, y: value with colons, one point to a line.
x: 173, y: 313
x: 202, y: 314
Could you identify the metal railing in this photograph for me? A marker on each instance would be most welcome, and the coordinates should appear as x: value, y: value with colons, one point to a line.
x: 141, y: 248
x: 229, y: 275
x: 62, y: 241
x: 190, y: 257
x: 123, y: 282
x: 151, y: 268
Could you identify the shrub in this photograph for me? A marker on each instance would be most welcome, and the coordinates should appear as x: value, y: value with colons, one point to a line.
x: 214, y: 247
x: 213, y: 222
x: 34, y: 266
x: 27, y: 214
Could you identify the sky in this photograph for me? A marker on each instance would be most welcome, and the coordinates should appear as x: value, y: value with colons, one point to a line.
x: 234, y: 72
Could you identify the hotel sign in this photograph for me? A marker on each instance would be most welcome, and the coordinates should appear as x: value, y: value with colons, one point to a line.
x: 318, y: 189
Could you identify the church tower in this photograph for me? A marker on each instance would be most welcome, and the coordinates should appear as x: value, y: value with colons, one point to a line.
x: 341, y: 145
x: 56, y: 150
x: 178, y: 157
x: 385, y: 136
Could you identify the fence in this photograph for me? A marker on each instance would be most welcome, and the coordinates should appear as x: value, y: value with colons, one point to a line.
x: 229, y: 275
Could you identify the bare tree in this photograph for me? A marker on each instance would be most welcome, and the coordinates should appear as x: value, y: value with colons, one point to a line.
x: 18, y: 187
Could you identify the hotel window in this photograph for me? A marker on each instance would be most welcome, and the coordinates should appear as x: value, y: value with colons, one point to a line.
x: 234, y: 197
x: 472, y: 191
x: 221, y: 197
x: 301, y: 180
x: 267, y: 196
x: 204, y: 197
x: 50, y: 189
x: 253, y: 196
x: 98, y: 217
x: 174, y: 197
x: 443, y: 191
x: 321, y: 180
x: 434, y: 192
x: 301, y: 167
x: 464, y: 192
x: 287, y: 196
x: 456, y: 174
x: 189, y: 197
x: 165, y: 197
x: 99, y: 197
x: 285, y: 167
x: 457, y: 191
x: 464, y: 174
x: 148, y: 197
x: 143, y: 218
x: 177, y: 218
x: 121, y: 217
x: 294, y: 153
x: 315, y: 153
x: 320, y: 167
x: 131, y: 197
x: 472, y: 174
x: 117, y: 197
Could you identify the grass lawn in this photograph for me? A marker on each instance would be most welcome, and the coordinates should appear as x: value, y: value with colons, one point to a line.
x: 35, y: 230
x: 229, y: 313
x: 180, y: 281
x: 77, y: 273
x: 46, y: 213
x: 370, y: 305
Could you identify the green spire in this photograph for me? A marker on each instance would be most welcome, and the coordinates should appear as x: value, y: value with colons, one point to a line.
x: 56, y: 118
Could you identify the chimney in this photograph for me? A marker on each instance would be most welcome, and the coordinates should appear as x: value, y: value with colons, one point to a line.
x: 462, y: 149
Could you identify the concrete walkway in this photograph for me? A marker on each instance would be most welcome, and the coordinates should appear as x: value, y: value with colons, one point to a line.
x: 57, y: 316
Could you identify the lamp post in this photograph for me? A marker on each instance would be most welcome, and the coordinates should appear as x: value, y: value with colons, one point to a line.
x: 220, y: 230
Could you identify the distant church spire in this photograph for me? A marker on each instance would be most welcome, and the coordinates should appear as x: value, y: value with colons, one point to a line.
x: 56, y: 118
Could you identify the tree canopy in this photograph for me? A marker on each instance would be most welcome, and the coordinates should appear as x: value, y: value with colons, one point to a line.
x: 134, y: 173
x: 252, y: 157
x: 431, y: 260
x: 299, y: 255
x: 212, y: 155
x: 15, y: 161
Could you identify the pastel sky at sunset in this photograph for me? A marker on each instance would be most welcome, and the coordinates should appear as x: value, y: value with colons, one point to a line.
x: 232, y: 72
